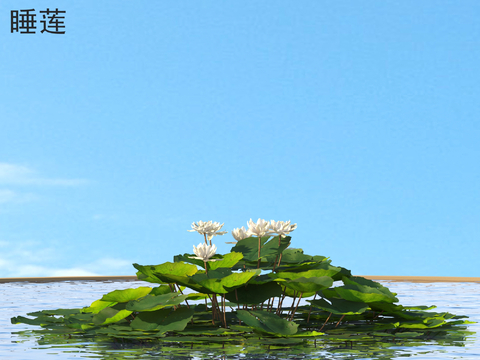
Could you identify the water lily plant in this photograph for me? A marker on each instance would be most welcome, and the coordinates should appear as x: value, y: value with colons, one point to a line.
x: 263, y: 292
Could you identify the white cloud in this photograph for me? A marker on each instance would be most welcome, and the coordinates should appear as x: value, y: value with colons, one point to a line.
x: 32, y: 259
x: 9, y: 196
x: 13, y: 174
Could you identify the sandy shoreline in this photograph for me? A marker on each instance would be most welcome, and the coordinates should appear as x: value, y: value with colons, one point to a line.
x: 424, y: 279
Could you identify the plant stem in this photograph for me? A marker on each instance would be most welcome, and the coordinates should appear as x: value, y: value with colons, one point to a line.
x: 280, y: 301
x: 340, y: 320
x: 224, y: 311
x: 280, y: 260
x: 259, y: 246
x: 181, y: 292
x: 308, y: 318
x: 293, y: 303
x: 276, y: 258
x: 294, y: 311
x: 213, y: 309
x: 325, y: 322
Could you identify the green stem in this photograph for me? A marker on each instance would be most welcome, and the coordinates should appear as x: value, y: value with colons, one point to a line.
x: 325, y: 322
x: 294, y: 311
x: 259, y: 247
x: 309, y: 312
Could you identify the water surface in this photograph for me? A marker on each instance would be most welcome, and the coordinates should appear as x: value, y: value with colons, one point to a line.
x: 18, y: 342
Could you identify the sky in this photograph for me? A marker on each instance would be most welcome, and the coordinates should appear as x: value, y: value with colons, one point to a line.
x: 358, y: 121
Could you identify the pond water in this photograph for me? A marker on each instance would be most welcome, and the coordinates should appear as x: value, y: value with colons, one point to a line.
x: 23, y: 342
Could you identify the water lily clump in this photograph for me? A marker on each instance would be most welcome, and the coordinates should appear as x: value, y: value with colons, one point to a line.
x: 253, y: 293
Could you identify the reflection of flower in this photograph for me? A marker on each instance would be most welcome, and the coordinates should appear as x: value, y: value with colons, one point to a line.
x: 239, y: 234
x: 281, y: 228
x: 208, y: 229
x: 259, y: 229
x: 204, y: 252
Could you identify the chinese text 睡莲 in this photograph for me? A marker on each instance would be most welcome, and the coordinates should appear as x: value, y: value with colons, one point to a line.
x: 24, y: 21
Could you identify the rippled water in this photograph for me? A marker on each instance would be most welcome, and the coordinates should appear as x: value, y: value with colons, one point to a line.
x: 22, y: 297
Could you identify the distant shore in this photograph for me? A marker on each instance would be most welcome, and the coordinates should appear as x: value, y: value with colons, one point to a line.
x: 422, y: 279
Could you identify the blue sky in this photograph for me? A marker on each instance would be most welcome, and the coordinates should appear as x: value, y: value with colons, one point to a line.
x: 356, y: 120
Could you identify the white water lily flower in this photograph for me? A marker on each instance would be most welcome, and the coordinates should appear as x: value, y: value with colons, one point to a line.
x: 259, y: 229
x: 209, y: 228
x: 238, y: 234
x: 204, y: 252
x: 214, y: 230
x: 281, y: 228
x: 202, y: 227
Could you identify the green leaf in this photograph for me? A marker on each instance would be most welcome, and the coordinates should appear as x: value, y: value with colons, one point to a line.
x: 269, y: 247
x: 181, y: 280
x: 62, y: 312
x: 308, y: 285
x: 362, y: 294
x: 358, y: 280
x: 254, y: 293
x: 152, y: 302
x: 189, y: 258
x: 327, y: 270
x: 150, y: 272
x: 110, y: 315
x: 126, y: 295
x: 43, y: 320
x: 296, y: 256
x: 196, y: 296
x: 98, y: 305
x: 426, y: 324
x: 177, y: 269
x: 225, y: 284
x: 229, y: 260
x: 363, y: 290
x: 267, y: 322
x: 160, y: 290
x: 340, y: 307
x: 163, y: 320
